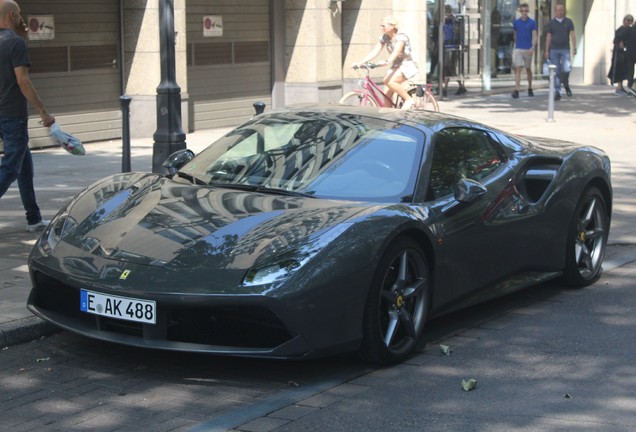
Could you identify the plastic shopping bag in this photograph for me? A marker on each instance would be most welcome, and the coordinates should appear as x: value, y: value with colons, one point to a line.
x: 546, y: 69
x: 66, y: 140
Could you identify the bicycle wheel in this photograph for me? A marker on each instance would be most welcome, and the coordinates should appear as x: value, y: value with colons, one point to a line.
x: 425, y: 102
x: 356, y: 98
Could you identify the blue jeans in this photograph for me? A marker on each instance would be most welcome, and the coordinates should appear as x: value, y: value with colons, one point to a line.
x: 561, y: 59
x: 17, y: 164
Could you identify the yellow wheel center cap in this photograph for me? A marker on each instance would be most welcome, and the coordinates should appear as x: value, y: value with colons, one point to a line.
x: 582, y: 236
x: 399, y: 302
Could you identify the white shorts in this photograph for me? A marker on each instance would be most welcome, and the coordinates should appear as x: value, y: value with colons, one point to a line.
x: 409, y: 69
x: 522, y: 58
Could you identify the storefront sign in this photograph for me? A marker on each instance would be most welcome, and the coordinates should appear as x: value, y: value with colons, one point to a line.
x: 41, y: 27
x: 212, y: 26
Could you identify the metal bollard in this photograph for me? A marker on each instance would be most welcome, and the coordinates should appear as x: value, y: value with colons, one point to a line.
x: 551, y: 93
x: 259, y: 107
x: 125, y: 132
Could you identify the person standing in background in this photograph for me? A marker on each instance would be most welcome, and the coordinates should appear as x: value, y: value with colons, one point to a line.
x: 559, y: 41
x: 631, y: 56
x: 622, y: 67
x: 451, y: 50
x: 525, y: 36
x: 16, y: 89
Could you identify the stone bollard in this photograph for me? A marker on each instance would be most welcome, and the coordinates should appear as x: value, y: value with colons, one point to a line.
x: 551, y: 93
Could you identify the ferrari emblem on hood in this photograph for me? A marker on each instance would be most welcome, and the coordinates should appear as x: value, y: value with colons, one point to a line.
x: 124, y: 274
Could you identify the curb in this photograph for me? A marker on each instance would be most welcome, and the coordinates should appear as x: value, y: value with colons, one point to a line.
x: 25, y: 330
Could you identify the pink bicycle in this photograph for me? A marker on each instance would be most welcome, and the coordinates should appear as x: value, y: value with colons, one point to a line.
x: 370, y: 94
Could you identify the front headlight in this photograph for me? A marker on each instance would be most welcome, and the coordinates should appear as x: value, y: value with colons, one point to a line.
x: 286, y: 264
x: 60, y: 226
x: 271, y: 273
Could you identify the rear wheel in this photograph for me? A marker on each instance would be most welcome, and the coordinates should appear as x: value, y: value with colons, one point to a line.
x: 357, y: 98
x: 587, y: 240
x: 397, y: 305
x: 425, y: 102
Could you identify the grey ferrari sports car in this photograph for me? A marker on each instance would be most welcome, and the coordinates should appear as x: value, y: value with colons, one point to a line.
x: 313, y: 231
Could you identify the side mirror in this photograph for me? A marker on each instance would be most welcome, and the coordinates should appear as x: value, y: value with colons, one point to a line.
x: 177, y: 160
x: 467, y: 190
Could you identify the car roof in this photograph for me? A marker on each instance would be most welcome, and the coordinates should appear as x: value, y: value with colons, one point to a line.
x: 421, y: 119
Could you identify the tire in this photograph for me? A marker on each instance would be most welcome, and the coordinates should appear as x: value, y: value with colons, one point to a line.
x: 425, y: 102
x: 356, y: 98
x: 397, y: 305
x: 587, y: 240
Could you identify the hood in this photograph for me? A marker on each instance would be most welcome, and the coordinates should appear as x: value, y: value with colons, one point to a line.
x: 152, y: 220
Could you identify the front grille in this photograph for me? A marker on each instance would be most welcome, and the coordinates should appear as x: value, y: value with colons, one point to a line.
x: 227, y: 326
x: 243, y: 326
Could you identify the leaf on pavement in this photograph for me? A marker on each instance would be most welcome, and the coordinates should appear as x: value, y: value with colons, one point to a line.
x: 446, y: 349
x: 468, y: 385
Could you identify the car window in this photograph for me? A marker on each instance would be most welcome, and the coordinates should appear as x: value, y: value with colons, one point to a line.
x: 318, y: 154
x: 461, y: 153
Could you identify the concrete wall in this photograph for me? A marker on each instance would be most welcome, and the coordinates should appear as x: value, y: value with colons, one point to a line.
x: 142, y: 62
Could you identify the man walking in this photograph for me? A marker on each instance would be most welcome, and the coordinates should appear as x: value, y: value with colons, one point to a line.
x: 525, y: 36
x: 560, y: 33
x: 16, y: 89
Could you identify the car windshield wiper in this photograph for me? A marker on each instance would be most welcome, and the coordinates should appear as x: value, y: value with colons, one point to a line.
x: 264, y: 189
x: 288, y: 192
x: 190, y: 178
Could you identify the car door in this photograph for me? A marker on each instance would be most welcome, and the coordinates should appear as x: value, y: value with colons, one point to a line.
x: 477, y: 235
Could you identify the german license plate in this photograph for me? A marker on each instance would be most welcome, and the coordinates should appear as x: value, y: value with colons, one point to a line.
x: 125, y: 308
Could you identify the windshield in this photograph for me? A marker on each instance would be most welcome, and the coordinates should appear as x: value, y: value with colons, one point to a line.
x: 317, y: 154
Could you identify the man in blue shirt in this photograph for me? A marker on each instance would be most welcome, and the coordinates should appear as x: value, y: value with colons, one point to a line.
x: 525, y: 35
x: 557, y: 49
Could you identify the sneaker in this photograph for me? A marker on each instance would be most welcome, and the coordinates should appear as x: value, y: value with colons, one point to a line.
x: 568, y: 91
x: 530, y: 93
x: 515, y: 94
x: 461, y: 91
x: 621, y: 92
x: 557, y: 96
x: 408, y: 104
x: 38, y: 226
x: 630, y: 90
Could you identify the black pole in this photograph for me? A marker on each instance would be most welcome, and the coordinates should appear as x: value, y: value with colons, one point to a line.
x: 169, y: 137
x: 125, y: 133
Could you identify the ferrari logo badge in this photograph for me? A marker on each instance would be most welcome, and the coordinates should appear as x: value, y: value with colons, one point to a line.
x: 124, y: 274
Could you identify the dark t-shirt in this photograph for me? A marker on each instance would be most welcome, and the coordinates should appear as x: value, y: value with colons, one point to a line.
x: 13, y: 53
x: 560, y: 32
x: 630, y: 43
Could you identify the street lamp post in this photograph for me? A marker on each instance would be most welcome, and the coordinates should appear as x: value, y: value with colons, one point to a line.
x: 169, y: 136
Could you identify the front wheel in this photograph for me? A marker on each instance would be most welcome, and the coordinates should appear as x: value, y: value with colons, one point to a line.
x: 397, y: 305
x: 425, y: 102
x: 357, y: 98
x: 587, y: 240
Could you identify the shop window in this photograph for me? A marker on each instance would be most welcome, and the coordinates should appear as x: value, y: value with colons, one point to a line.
x: 65, y: 59
x: 251, y: 52
x: 219, y: 53
x: 48, y: 59
x: 93, y: 57
x: 227, y: 53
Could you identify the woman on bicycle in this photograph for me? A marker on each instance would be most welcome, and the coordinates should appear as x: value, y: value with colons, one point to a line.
x: 400, y: 60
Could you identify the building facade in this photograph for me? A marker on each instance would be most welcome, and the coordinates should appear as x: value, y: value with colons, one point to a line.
x: 230, y: 54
